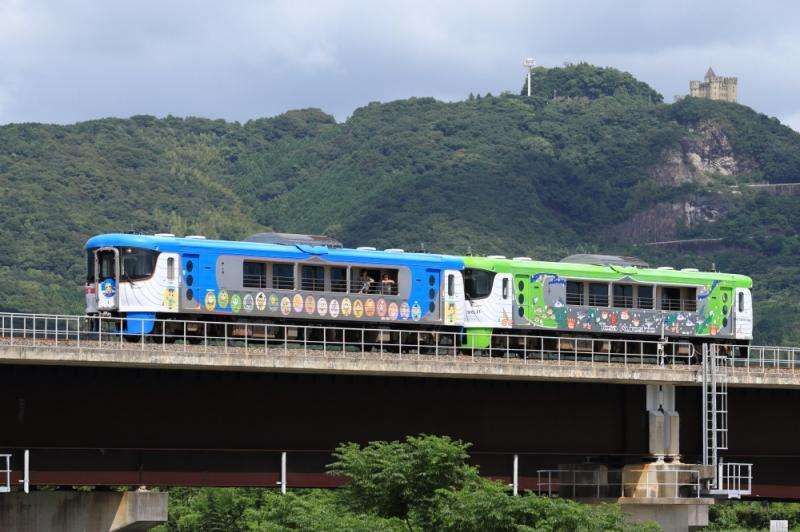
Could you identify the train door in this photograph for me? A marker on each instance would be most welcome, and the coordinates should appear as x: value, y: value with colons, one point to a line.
x: 453, y: 297
x: 107, y: 278
x: 190, y: 274
x: 168, y: 278
x: 743, y: 314
x: 506, y: 314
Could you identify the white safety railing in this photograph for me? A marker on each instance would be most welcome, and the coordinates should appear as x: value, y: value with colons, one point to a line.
x: 760, y: 359
x: 254, y: 338
x: 734, y: 479
x: 5, y: 473
x: 665, y: 482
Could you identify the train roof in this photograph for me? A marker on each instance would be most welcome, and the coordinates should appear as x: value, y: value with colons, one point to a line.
x: 295, y: 251
x: 610, y: 272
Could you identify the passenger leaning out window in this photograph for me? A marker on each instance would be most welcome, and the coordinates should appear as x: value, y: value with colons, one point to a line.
x: 366, y: 281
x: 388, y: 286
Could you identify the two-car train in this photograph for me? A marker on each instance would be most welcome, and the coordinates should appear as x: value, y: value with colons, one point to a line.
x: 145, y: 278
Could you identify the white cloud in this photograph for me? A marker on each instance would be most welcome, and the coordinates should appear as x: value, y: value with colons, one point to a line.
x: 71, y: 60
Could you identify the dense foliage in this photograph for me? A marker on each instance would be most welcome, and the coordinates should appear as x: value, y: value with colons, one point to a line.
x: 547, y: 176
x: 422, y: 483
x: 745, y: 516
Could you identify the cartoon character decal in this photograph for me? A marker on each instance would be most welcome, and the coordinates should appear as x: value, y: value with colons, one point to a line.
x: 549, y: 310
x: 169, y: 299
x: 210, y: 301
x: 108, y: 288
x: 223, y: 299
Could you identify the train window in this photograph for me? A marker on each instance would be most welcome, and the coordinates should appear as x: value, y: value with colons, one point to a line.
x: 338, y: 279
x: 574, y: 293
x: 171, y: 269
x: 283, y: 276
x: 670, y: 298
x: 623, y: 295
x: 689, y: 299
x: 369, y: 281
x: 137, y: 263
x: 254, y: 274
x: 644, y: 296
x: 90, y: 266
x: 505, y: 288
x: 478, y: 283
x: 312, y: 278
x: 451, y: 285
x: 598, y: 294
x: 741, y: 301
x: 106, y: 262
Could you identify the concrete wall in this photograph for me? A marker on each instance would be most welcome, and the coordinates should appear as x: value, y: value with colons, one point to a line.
x: 68, y: 511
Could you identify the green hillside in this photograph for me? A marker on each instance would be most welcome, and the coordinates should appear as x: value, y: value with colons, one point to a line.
x: 591, y: 162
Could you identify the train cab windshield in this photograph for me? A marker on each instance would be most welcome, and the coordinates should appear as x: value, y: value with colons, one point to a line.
x: 137, y: 264
x: 478, y: 283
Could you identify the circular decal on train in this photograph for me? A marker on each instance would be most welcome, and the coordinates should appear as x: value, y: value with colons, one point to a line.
x: 405, y: 310
x: 310, y: 304
x: 236, y: 302
x: 416, y: 311
x: 358, y: 308
x: 210, y: 301
x: 347, y: 307
x: 286, y: 306
x: 108, y: 288
x: 261, y: 301
x: 380, y: 308
x: 391, y: 312
x: 274, y: 302
x: 369, y: 308
x: 333, y: 308
x: 248, y: 303
x: 322, y: 306
x: 297, y: 303
x: 223, y: 298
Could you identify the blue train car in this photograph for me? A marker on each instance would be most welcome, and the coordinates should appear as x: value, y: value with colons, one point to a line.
x: 160, y: 276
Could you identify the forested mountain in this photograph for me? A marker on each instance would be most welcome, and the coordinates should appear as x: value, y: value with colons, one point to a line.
x: 594, y: 161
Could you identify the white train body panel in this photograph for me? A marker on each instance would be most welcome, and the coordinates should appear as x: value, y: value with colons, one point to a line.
x: 159, y: 293
x: 496, y: 310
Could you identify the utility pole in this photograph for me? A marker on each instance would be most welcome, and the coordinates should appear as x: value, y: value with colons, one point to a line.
x: 529, y: 63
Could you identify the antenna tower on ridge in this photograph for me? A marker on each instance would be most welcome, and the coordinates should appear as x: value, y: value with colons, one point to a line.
x: 529, y: 63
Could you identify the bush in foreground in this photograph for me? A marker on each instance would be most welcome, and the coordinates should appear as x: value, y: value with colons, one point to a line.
x: 422, y: 483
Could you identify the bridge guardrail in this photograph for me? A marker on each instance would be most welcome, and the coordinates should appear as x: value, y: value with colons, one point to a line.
x: 735, y: 479
x: 5, y: 473
x: 255, y: 338
x: 759, y: 358
x: 671, y: 481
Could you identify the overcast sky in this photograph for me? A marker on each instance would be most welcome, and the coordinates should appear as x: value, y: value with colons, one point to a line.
x: 65, y: 61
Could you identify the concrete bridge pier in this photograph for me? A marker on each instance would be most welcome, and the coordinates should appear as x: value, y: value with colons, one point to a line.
x: 68, y: 511
x: 666, y: 492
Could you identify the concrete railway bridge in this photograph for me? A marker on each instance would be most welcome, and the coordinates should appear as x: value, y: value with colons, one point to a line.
x: 661, y: 426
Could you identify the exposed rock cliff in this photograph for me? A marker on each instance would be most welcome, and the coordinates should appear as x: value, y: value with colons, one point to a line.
x: 701, y: 156
x: 663, y: 220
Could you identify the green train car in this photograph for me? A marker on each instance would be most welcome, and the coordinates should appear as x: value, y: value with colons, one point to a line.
x: 598, y: 296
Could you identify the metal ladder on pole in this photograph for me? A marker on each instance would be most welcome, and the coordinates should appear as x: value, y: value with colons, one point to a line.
x: 715, y: 404
x: 730, y: 479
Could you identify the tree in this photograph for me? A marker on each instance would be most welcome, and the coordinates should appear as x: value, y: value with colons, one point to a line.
x: 392, y: 478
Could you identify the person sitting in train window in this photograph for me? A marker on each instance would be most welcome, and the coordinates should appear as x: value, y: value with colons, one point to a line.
x: 366, y: 281
x: 387, y: 284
